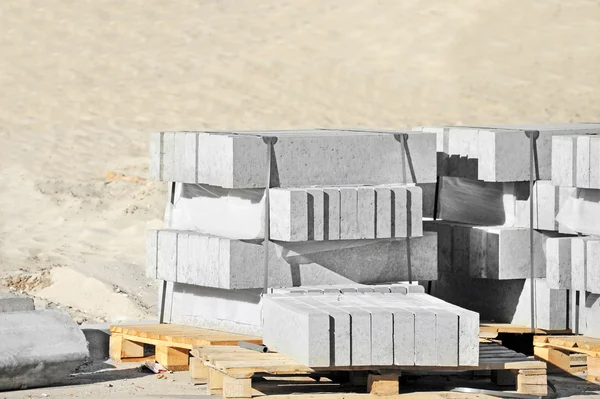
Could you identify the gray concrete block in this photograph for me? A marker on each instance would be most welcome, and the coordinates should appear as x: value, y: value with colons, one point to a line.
x: 317, y: 215
x: 360, y: 329
x: 582, y: 161
x: 383, y: 198
x: 39, y: 348
x: 98, y: 339
x: 340, y: 334
x: 236, y: 311
x: 14, y: 303
x: 591, y: 316
x: 289, y: 214
x: 366, y: 213
x: 595, y: 162
x: 349, y: 214
x: 332, y: 213
x: 382, y: 342
x: 505, y: 301
x: 579, y: 263
x: 169, y: 172
x: 167, y: 255
x: 400, y: 211
x: 593, y: 267
x: 296, y: 330
x: 311, y: 158
x: 564, y: 158
x: 558, y: 263
x: 189, y: 162
x: 151, y: 253
x: 239, y: 264
x: 468, y: 335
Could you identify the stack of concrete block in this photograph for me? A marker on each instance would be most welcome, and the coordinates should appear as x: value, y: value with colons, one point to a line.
x: 483, y: 200
x: 358, y: 325
x: 342, y: 206
x: 574, y: 263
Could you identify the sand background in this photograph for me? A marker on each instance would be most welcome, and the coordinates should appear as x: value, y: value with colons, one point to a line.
x: 83, y: 82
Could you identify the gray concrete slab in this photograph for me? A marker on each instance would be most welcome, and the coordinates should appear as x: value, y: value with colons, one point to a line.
x: 14, y: 303
x: 39, y: 348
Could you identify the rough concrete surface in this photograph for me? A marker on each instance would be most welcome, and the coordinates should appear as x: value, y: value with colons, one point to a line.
x: 39, y: 348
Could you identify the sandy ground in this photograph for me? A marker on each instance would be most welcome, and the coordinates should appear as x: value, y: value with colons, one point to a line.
x: 84, y: 81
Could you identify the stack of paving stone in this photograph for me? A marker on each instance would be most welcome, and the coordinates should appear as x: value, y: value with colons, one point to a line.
x: 574, y: 262
x: 362, y: 325
x: 482, y: 205
x: 342, y: 205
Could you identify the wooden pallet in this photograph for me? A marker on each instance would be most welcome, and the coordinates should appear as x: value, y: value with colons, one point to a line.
x: 491, y: 330
x: 562, y: 350
x: 172, y: 342
x: 229, y: 370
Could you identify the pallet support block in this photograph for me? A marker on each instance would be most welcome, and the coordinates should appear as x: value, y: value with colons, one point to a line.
x: 557, y: 358
x: 383, y: 384
x: 215, y: 381
x: 174, y: 359
x: 532, y: 382
x: 121, y: 348
x: 198, y: 371
x: 236, y: 387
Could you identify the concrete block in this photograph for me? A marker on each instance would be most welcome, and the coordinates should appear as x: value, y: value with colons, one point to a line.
x: 236, y: 264
x: 414, y: 199
x: 348, y: 214
x: 339, y: 331
x: 169, y: 172
x: 151, y: 253
x: 400, y: 226
x: 579, y: 263
x: 317, y: 215
x: 594, y: 162
x: 189, y: 162
x: 236, y: 311
x: 558, y: 263
x: 13, y: 303
x: 155, y: 168
x: 333, y: 213
x: 591, y: 316
x: 384, y: 221
x: 309, y: 158
x: 166, y: 268
x: 582, y: 161
x: 296, y: 330
x: 366, y: 213
x: 98, y: 339
x: 468, y: 331
x: 546, y: 203
x: 360, y: 329
x: 505, y: 301
x: 564, y: 193
x: 564, y: 158
x: 593, y: 267
x: 382, y: 329
x: 39, y: 348
x: 289, y: 214
x: 505, y: 252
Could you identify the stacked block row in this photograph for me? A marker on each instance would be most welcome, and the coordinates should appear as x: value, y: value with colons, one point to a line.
x: 362, y: 326
x: 193, y: 258
x: 301, y: 214
x: 498, y: 153
x: 300, y: 158
x: 574, y: 263
x: 496, y: 204
x: 576, y: 161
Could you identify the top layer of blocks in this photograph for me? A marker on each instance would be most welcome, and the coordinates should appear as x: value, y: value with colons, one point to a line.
x: 499, y: 153
x: 299, y: 158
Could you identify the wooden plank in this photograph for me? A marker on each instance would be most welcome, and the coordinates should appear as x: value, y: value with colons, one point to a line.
x: 383, y: 384
x: 532, y: 384
x: 237, y: 387
x: 412, y: 395
x: 557, y: 358
x: 593, y: 366
x: 491, y: 328
x: 566, y: 348
x: 174, y: 359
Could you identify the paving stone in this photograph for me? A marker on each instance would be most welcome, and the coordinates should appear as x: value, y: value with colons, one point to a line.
x: 366, y: 213
x: 316, y: 215
x: 349, y: 214
x: 564, y: 158
x: 155, y: 169
x: 289, y: 214
x: 579, y: 263
x: 332, y: 212
x: 168, y: 157
x: 383, y: 196
x: 595, y: 162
